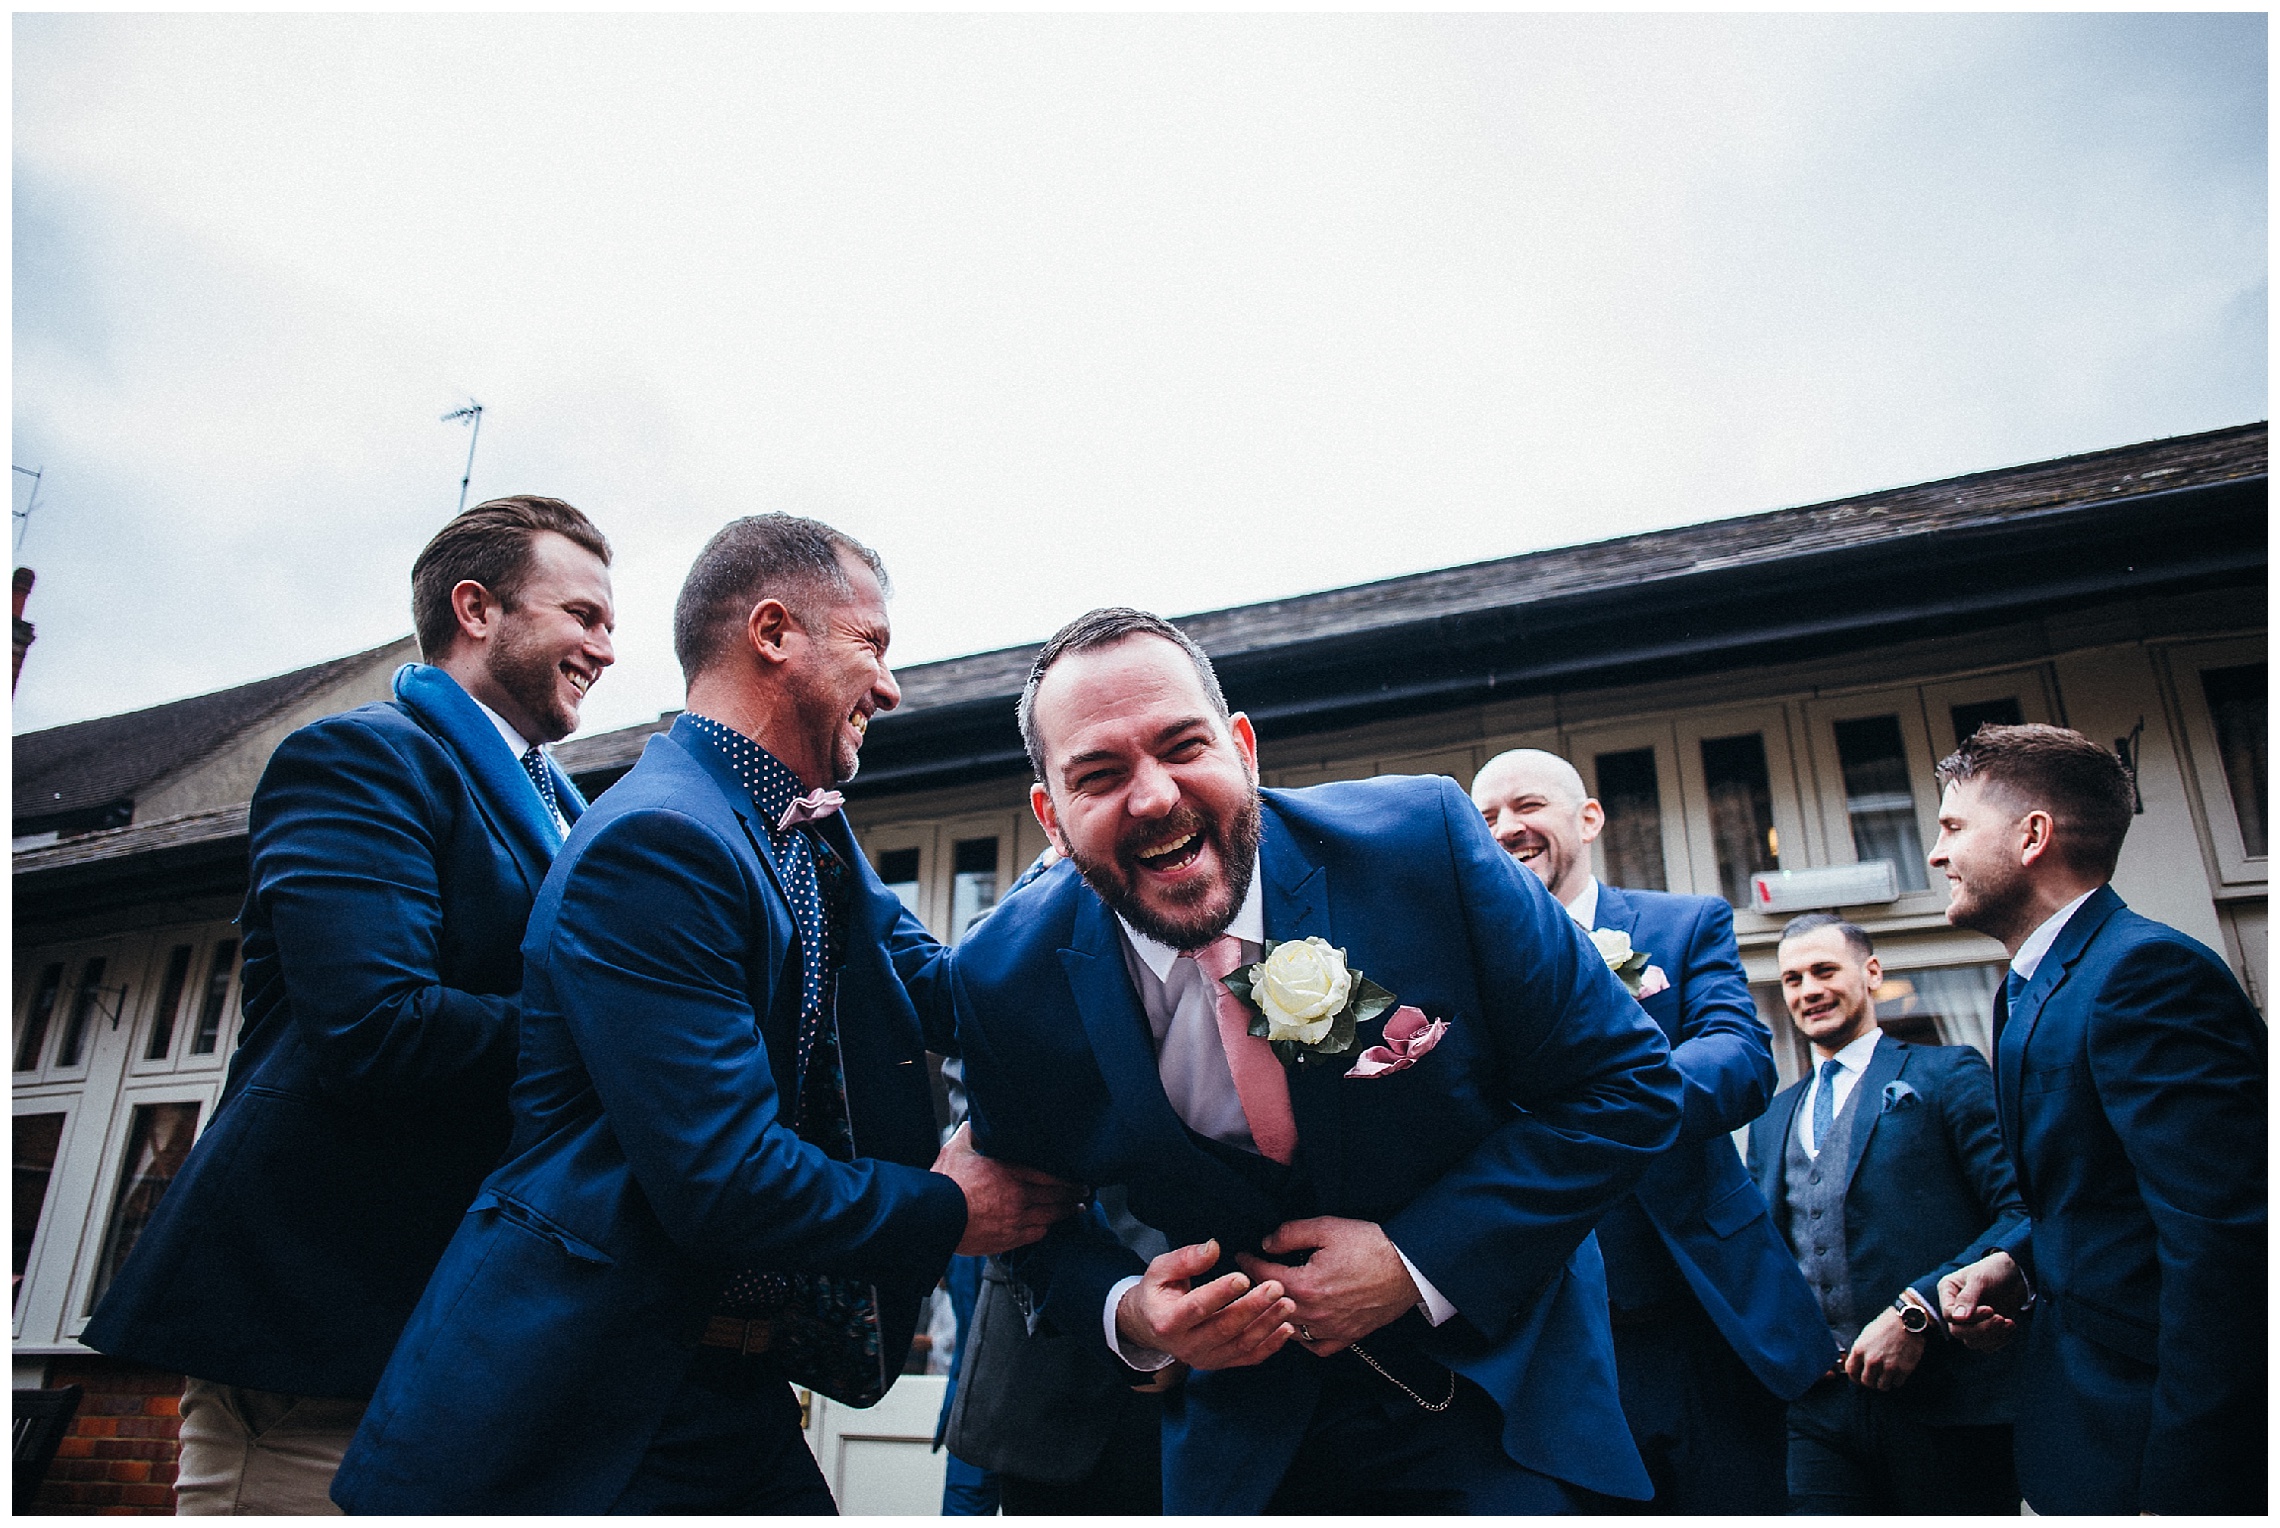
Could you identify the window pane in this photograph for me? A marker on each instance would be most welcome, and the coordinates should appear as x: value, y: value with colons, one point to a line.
x: 899, y: 869
x: 157, y: 1143
x: 973, y: 883
x: 72, y: 1047
x: 1943, y: 1005
x: 212, y: 1011
x: 1631, y: 843
x: 37, y: 1136
x: 1969, y: 718
x: 37, y: 1017
x: 169, y: 1004
x: 1877, y: 797
x: 1741, y: 811
x: 2237, y: 705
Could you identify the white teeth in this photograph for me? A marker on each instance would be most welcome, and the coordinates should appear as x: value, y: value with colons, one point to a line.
x: 1155, y: 851
x: 584, y: 682
x: 859, y: 722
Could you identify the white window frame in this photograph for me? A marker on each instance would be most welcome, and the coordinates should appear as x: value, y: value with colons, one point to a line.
x: 59, y: 1192
x: 1582, y: 747
x: 205, y: 1093
x: 887, y: 838
x: 1771, y: 721
x: 2237, y: 869
x: 1907, y: 706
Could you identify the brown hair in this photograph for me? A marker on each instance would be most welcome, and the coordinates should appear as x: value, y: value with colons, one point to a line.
x: 1855, y: 937
x: 1100, y: 628
x: 760, y: 557
x: 491, y: 545
x: 2086, y: 789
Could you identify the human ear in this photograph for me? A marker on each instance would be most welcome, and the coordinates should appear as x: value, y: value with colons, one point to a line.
x: 1041, y: 803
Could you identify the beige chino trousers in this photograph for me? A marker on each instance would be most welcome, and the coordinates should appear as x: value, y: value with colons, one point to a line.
x: 256, y: 1453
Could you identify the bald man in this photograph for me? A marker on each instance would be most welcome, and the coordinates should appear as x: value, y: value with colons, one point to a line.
x: 1715, y: 1329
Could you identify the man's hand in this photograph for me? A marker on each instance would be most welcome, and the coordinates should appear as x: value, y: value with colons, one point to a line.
x: 1353, y: 1284
x: 1227, y: 1324
x: 1885, y: 1353
x: 1006, y: 1206
x: 1983, y: 1301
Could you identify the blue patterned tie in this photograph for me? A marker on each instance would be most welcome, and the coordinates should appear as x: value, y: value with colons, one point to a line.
x: 1825, y: 1104
x: 534, y: 765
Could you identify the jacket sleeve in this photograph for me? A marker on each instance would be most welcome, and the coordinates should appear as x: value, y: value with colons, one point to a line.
x: 1724, y: 1055
x: 1595, y: 1096
x: 1975, y: 1141
x: 2178, y: 1058
x: 345, y: 833
x: 648, y: 959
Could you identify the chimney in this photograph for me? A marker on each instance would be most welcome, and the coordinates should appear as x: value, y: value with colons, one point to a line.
x: 24, y: 629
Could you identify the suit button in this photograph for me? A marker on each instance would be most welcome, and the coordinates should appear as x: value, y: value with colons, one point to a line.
x: 1814, y: 1176
x: 1817, y: 1247
x: 1816, y: 1214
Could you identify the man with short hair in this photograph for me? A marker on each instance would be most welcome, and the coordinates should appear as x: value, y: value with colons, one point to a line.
x: 1884, y: 1168
x: 395, y: 851
x: 2130, y: 1085
x: 1714, y: 1330
x: 724, y: 1173
x: 1407, y: 1193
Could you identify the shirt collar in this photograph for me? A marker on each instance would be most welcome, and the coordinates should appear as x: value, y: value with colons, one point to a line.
x: 2039, y: 942
x: 1250, y: 925
x: 1585, y: 908
x: 766, y: 778
x: 517, y: 744
x: 1854, y: 1057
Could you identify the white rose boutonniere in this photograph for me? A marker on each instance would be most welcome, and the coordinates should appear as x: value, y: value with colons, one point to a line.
x: 1306, y: 1001
x: 1629, y: 965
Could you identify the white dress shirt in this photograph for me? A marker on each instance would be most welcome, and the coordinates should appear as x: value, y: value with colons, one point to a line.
x: 518, y: 745
x: 1181, y: 1004
x: 2038, y: 943
x: 1851, y: 1062
x: 1585, y: 908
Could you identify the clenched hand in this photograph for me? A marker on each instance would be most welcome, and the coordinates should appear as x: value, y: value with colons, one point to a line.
x: 1006, y: 1206
x: 1353, y: 1284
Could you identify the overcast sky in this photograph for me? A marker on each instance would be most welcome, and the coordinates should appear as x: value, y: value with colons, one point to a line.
x: 1175, y: 311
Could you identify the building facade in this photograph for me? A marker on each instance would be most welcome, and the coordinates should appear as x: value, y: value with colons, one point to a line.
x: 1749, y: 696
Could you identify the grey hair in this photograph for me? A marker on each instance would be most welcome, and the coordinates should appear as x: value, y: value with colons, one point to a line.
x: 780, y: 557
x: 1101, y: 628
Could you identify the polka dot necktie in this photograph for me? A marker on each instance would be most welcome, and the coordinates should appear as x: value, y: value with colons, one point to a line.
x: 534, y: 765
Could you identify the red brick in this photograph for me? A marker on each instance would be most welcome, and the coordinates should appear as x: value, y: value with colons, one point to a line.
x: 130, y: 1471
x: 169, y: 1428
x: 75, y: 1448
x: 166, y: 1471
x: 86, y: 1426
x: 76, y: 1469
x: 148, y: 1496
x: 163, y: 1406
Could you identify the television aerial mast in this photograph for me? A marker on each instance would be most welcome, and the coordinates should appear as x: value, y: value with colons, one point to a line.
x: 473, y: 413
x: 23, y: 517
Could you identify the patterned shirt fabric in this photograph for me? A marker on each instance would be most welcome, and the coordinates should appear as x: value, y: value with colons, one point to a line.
x: 534, y: 765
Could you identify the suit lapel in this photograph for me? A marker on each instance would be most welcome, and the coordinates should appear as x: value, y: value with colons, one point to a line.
x: 1296, y: 903
x: 2018, y: 1025
x: 1772, y: 1171
x: 1614, y: 910
x: 501, y: 791
x: 1884, y: 1064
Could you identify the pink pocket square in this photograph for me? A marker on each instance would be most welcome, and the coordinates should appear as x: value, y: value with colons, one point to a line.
x: 1408, y: 1036
x: 1651, y: 982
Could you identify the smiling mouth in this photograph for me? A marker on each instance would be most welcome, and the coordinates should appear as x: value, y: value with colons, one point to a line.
x: 860, y: 720
x: 1170, y: 854
x: 580, y: 680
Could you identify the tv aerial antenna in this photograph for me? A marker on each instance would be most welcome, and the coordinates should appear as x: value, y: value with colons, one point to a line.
x: 473, y: 413
x: 23, y: 517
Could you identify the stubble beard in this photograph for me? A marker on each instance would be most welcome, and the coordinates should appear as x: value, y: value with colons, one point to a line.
x: 1997, y: 907
x: 531, y: 675
x: 1238, y: 849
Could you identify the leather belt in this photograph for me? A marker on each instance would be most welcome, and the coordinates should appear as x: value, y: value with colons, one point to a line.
x: 745, y: 1337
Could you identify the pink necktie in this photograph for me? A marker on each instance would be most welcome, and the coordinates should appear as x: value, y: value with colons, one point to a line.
x: 809, y: 808
x: 1260, y: 1084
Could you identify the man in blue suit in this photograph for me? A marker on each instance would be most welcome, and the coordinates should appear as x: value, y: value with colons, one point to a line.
x: 1715, y: 1331
x: 2130, y: 1085
x: 724, y: 1168
x: 1884, y: 1168
x: 1381, y: 1271
x: 395, y: 852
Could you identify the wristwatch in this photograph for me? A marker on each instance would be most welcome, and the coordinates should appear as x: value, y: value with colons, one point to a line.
x: 1913, y: 1317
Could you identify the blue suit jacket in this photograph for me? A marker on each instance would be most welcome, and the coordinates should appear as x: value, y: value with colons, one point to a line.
x: 1698, y: 1195
x: 2130, y: 1084
x: 1487, y: 1162
x: 395, y: 852
x: 1927, y: 1183
x: 649, y: 1160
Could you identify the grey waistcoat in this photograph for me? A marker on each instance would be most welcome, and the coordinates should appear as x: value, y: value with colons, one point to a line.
x: 1816, y: 1194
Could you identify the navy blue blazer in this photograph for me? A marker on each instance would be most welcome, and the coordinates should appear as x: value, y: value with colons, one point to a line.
x: 2130, y: 1084
x: 1487, y: 1162
x: 1698, y: 1195
x: 395, y: 852
x: 1927, y: 1182
x: 649, y: 1159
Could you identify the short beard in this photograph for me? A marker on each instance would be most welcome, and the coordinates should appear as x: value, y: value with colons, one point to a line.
x: 1238, y: 850
x: 530, y: 676
x: 2002, y: 912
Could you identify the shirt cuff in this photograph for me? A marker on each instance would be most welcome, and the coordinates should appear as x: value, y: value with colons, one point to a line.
x: 1437, y: 1309
x: 1139, y: 1359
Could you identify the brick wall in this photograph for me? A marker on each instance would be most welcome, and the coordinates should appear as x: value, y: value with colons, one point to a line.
x: 120, y: 1453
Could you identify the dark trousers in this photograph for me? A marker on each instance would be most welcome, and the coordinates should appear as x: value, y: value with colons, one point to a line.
x: 1710, y: 1434
x: 1372, y: 1449
x: 1853, y: 1450
x: 1127, y: 1480
x: 729, y: 1442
